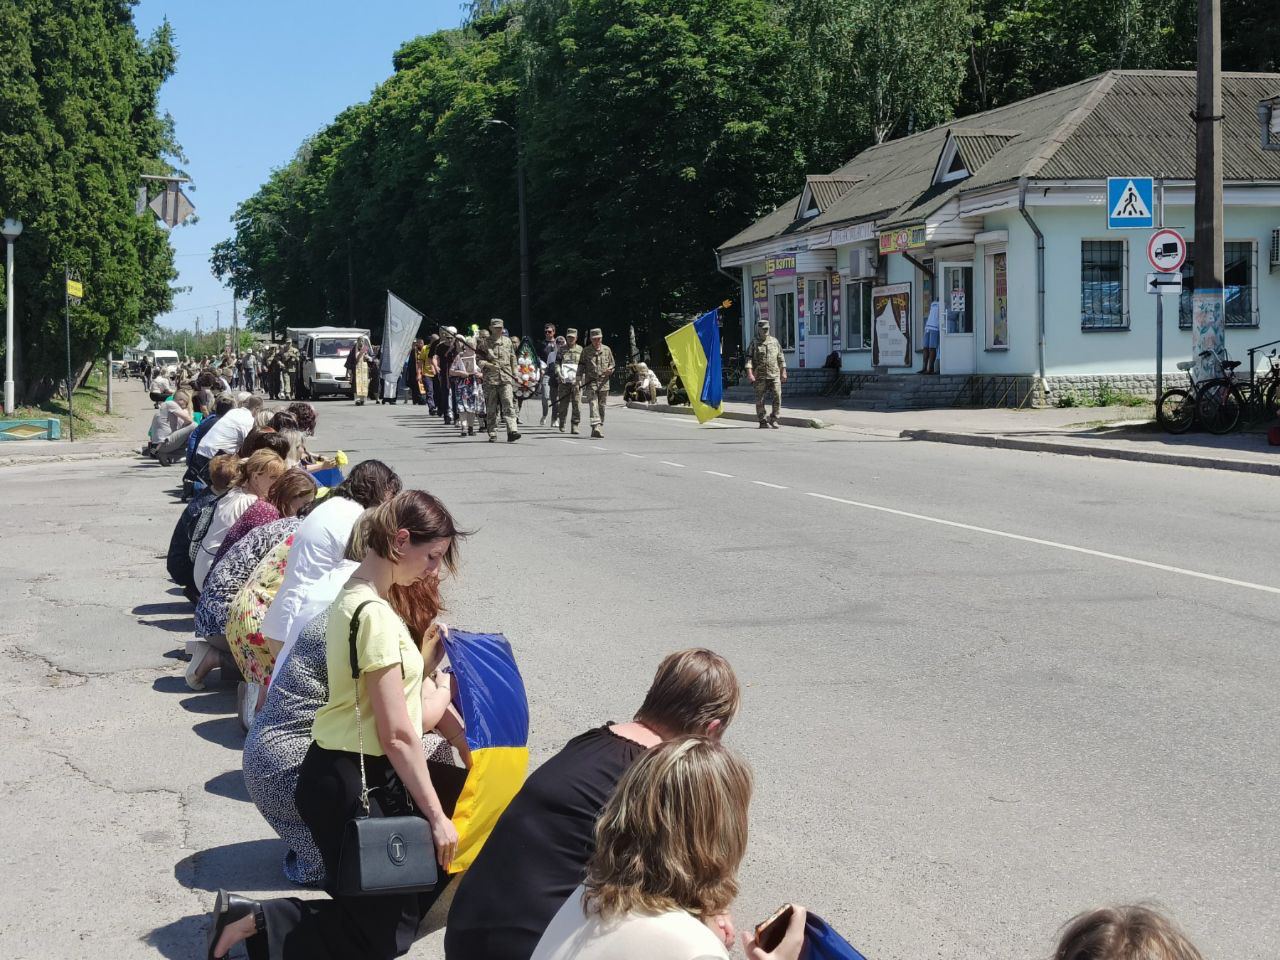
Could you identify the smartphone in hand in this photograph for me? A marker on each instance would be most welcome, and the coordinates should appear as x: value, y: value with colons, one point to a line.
x: 770, y: 933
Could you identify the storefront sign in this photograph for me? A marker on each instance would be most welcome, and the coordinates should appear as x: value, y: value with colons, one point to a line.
x: 861, y: 231
x: 896, y: 241
x: 891, y: 329
x: 836, y: 339
x: 759, y: 300
x: 781, y: 265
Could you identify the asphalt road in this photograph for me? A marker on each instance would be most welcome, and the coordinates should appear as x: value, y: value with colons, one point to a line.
x: 984, y: 689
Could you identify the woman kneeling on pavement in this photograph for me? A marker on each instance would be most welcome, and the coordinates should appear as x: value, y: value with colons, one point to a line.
x: 406, y: 540
x: 664, y: 872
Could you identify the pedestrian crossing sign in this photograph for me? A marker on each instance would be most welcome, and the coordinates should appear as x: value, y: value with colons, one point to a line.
x: 1130, y: 201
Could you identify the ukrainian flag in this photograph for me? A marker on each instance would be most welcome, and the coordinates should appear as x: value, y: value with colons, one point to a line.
x: 695, y: 350
x: 496, y: 712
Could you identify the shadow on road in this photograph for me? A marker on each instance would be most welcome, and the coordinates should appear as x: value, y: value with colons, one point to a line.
x: 181, y: 625
x: 229, y: 785
x: 225, y: 732
x: 248, y: 866
x: 220, y: 702
x: 150, y: 609
x: 181, y: 940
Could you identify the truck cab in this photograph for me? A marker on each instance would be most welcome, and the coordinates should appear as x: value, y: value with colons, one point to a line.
x: 323, y: 359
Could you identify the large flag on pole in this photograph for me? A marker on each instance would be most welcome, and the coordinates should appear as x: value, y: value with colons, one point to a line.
x: 397, y: 339
x: 695, y: 350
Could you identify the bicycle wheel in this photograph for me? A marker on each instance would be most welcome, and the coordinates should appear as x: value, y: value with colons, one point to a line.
x: 1219, y: 405
x: 1176, y: 411
x: 1271, y: 399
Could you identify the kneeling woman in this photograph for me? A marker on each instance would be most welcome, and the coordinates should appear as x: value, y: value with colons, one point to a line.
x: 407, y: 539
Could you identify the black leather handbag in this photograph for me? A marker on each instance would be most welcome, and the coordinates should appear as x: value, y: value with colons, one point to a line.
x: 382, y: 855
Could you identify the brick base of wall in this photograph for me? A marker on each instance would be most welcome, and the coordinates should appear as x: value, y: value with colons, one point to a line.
x: 1139, y: 384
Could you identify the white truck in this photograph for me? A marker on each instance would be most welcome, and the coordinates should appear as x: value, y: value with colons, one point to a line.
x: 323, y: 359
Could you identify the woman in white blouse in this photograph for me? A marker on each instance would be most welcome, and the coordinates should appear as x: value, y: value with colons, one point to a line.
x: 253, y: 480
x: 664, y: 871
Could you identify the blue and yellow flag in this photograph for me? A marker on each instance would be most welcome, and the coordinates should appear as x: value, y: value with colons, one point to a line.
x: 496, y: 712
x: 695, y: 350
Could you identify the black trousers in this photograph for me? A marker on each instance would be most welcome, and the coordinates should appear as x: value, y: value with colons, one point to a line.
x: 359, y: 928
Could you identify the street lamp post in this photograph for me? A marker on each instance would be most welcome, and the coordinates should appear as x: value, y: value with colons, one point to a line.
x: 525, y: 328
x: 11, y: 230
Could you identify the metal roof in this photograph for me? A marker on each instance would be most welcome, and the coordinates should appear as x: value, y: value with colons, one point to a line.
x: 1124, y: 122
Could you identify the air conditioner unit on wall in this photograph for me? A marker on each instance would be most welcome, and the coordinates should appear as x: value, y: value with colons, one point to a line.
x: 1275, y: 250
x: 863, y: 262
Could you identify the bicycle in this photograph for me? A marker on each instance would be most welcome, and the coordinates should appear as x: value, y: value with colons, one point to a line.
x: 1176, y: 408
x: 1224, y: 401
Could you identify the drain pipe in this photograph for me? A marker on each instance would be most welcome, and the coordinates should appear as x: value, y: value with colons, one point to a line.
x: 1022, y: 209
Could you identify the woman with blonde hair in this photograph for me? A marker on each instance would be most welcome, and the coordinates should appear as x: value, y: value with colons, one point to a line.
x: 369, y: 730
x: 1123, y: 933
x: 664, y: 872
x: 253, y: 481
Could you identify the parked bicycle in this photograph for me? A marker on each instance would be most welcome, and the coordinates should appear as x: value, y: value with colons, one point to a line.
x: 1226, y: 401
x: 1176, y: 409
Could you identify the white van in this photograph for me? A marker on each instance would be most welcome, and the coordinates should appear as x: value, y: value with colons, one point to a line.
x: 166, y: 360
x: 324, y: 359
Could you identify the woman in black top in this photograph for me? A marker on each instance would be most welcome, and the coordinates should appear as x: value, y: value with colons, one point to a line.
x: 538, y: 851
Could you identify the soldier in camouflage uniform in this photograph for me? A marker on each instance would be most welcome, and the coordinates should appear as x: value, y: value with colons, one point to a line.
x: 567, y: 393
x: 594, y: 370
x: 498, y: 368
x: 289, y: 357
x: 767, y: 369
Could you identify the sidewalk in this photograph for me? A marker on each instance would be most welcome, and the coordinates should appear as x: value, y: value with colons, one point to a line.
x: 121, y: 434
x: 1120, y: 433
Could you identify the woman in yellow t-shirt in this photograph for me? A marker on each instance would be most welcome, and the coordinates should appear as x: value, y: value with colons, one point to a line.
x: 405, y: 540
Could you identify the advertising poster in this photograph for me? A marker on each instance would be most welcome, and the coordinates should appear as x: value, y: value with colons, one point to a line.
x: 891, y: 329
x: 1000, y: 300
x: 759, y: 301
x: 837, y: 342
x: 781, y: 265
x: 802, y: 316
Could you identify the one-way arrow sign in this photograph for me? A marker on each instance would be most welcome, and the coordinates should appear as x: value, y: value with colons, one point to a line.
x: 1164, y: 283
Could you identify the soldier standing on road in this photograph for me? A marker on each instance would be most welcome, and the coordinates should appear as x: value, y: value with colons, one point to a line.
x: 594, y: 370
x: 289, y: 372
x: 498, y: 365
x: 767, y: 369
x: 567, y: 393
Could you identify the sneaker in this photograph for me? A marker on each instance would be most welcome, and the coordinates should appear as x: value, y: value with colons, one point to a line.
x: 493, y: 438
x: 513, y: 436
x: 597, y: 433
x: 543, y: 421
x: 773, y: 422
x: 764, y: 425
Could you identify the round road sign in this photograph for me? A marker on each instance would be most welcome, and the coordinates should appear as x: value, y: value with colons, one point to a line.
x: 1167, y: 251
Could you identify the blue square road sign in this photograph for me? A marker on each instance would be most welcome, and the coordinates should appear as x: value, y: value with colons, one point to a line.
x: 1130, y: 203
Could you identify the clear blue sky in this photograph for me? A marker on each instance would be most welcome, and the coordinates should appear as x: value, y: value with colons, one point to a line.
x: 254, y: 79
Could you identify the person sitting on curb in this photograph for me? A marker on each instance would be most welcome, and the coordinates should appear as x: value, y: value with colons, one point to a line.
x: 664, y: 872
x: 539, y: 848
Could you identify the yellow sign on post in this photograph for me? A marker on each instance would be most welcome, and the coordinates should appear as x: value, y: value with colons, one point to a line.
x: 75, y: 289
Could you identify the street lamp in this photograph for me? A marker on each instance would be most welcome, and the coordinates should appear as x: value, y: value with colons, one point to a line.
x: 525, y: 327
x: 11, y: 229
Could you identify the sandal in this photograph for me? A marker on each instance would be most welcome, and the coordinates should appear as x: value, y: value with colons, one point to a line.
x: 199, y: 655
x: 227, y: 909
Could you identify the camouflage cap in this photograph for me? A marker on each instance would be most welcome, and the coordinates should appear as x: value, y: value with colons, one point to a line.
x: 496, y: 324
x: 595, y: 332
x: 762, y: 323
x: 571, y: 332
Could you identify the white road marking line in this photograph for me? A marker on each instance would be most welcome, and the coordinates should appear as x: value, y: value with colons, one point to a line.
x: 634, y: 456
x: 1070, y: 548
x: 771, y: 486
x: 566, y: 440
x: 671, y: 464
x: 601, y: 448
x: 716, y: 473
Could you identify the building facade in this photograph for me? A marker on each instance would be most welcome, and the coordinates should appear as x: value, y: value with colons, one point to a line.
x: 1002, y: 218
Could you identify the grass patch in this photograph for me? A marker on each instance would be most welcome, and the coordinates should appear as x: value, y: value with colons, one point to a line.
x: 1107, y: 396
x: 90, y: 408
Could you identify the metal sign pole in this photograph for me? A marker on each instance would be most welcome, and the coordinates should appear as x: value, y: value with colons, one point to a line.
x: 1159, y: 301
x: 66, y: 295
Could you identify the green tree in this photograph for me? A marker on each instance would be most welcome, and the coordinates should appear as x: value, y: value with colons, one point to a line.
x: 78, y: 125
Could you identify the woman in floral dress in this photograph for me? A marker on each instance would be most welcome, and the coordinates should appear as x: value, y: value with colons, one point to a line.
x: 464, y: 382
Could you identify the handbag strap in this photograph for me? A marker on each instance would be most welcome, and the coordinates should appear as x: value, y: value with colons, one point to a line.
x: 355, y: 676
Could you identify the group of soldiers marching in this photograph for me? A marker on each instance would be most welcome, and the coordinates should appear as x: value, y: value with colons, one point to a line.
x: 272, y: 369
x: 577, y: 373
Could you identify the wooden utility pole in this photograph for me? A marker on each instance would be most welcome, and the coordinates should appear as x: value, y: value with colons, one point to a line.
x: 1208, y: 325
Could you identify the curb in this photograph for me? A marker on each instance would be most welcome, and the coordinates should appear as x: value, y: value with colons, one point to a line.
x: 27, y: 459
x: 812, y: 422
x: 1103, y: 453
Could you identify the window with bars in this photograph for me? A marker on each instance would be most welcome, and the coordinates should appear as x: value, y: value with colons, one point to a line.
x: 1104, y: 285
x: 1239, y: 276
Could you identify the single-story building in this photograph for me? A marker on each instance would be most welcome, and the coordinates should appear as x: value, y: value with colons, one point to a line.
x: 1002, y: 217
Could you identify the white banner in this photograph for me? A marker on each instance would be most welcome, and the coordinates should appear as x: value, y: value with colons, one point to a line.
x: 397, y: 339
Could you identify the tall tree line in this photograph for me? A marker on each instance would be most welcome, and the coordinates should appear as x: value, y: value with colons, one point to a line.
x: 649, y: 130
x: 78, y: 125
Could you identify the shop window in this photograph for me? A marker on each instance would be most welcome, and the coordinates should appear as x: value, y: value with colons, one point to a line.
x: 998, y: 300
x: 1239, y: 277
x: 857, y: 312
x: 1104, y: 285
x: 784, y: 318
x: 819, y: 322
